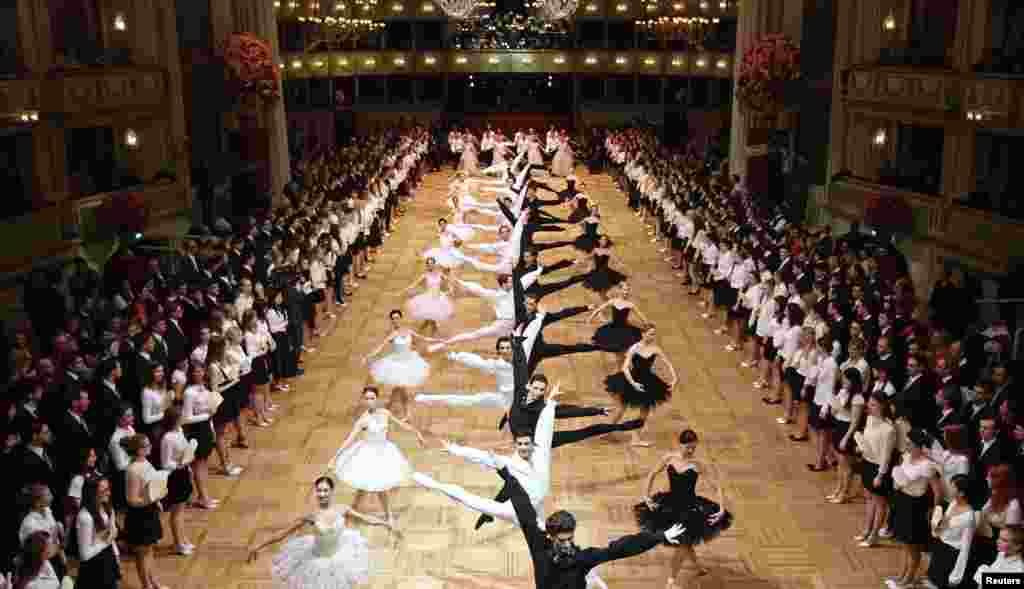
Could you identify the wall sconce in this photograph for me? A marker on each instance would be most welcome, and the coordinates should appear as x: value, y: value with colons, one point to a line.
x: 339, y: 7
x: 889, y: 23
x: 559, y: 60
x: 494, y: 60
x: 880, y: 138
x: 677, y: 62
x: 460, y: 60
x: 678, y: 7
x: 723, y: 5
x: 650, y: 61
x: 591, y: 7
x: 429, y: 60
x: 620, y: 60
x: 721, y: 64
x: 293, y: 5
x: 277, y: 3
x: 131, y: 139
x: 343, y: 62
x: 651, y: 7
x: 428, y: 8
x: 702, y: 63
x: 120, y: 22
x: 621, y: 7
x: 397, y: 8
x: 296, y: 64
x: 370, y: 62
x: 527, y: 59
x: 399, y: 61
x: 29, y: 116
x: 704, y: 5
x: 590, y: 60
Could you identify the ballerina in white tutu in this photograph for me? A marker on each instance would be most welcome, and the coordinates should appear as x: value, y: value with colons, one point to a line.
x: 563, y: 164
x: 402, y: 368
x: 447, y: 254
x: 433, y: 305
x: 332, y: 556
x: 373, y: 464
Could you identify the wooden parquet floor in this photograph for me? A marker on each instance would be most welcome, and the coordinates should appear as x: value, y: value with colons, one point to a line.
x: 784, y: 537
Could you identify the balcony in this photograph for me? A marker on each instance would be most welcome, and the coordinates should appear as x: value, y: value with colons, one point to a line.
x: 17, y: 96
x: 583, y: 62
x: 931, y: 96
x: 988, y: 237
x: 90, y: 92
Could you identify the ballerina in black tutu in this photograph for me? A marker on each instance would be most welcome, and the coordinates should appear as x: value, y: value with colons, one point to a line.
x: 702, y: 519
x: 602, y: 277
x: 591, y: 223
x: 637, y: 385
x: 580, y: 208
x: 618, y: 335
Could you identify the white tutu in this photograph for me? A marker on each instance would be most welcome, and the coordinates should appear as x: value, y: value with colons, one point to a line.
x: 301, y: 565
x: 400, y: 368
x: 463, y: 232
x: 443, y: 257
x: 430, y: 306
x: 372, y: 466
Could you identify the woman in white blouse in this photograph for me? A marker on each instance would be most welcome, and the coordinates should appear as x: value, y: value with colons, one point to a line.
x: 40, y: 518
x: 917, y: 480
x: 176, y: 455
x: 826, y: 376
x: 222, y: 377
x: 258, y: 346
x: 790, y: 337
x: 802, y: 374
x: 238, y: 362
x: 142, y: 527
x: 954, y: 458
x: 855, y: 359
x: 877, y: 444
x: 155, y: 399
x: 86, y: 471
x: 1001, y: 510
x: 96, y: 530
x: 954, y: 528
x: 196, y: 413
x: 36, y: 570
x: 1010, y: 545
x: 846, y: 409
x: 118, y: 457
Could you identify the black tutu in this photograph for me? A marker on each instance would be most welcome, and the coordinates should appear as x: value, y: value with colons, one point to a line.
x: 603, y: 279
x: 142, y: 525
x: 585, y: 243
x: 179, y: 487
x: 102, y: 570
x: 680, y: 505
x: 656, y: 391
x: 618, y: 335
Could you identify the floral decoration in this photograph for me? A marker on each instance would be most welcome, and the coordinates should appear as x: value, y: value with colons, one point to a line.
x: 251, y: 66
x: 767, y: 66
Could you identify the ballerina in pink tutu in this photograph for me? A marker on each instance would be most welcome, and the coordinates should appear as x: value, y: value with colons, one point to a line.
x: 432, y: 306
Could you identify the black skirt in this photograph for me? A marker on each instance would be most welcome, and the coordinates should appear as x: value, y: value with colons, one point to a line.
x: 868, y: 472
x: 99, y: 572
x: 260, y: 370
x: 179, y: 487
x: 234, y: 399
x: 795, y: 380
x: 942, y: 563
x: 202, y: 433
x: 839, y: 429
x: 118, y: 492
x: 142, y: 525
x: 909, y: 519
x: 814, y: 419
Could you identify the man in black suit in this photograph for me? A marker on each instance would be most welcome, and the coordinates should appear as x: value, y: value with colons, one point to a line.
x: 558, y: 563
x: 176, y: 338
x: 991, y: 452
x: 37, y: 466
x: 535, y: 348
x: 915, y: 400
x: 106, y: 401
x: 75, y: 433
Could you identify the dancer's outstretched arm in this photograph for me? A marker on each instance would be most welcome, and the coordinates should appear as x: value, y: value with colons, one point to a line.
x: 542, y: 437
x: 406, y: 426
x: 417, y: 283
x: 308, y: 520
x: 379, y: 348
x: 484, y: 458
x: 654, y: 475
x: 356, y: 430
x: 373, y: 521
x: 598, y: 310
x: 668, y: 364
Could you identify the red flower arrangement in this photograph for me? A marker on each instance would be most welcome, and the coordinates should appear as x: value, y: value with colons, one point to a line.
x: 767, y: 65
x: 888, y: 213
x: 251, y: 67
x: 123, y: 213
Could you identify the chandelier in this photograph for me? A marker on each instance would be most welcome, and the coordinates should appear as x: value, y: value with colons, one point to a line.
x: 331, y: 33
x: 465, y: 9
x: 554, y: 9
x: 690, y: 30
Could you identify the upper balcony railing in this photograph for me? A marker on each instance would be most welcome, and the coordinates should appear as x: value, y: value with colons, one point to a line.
x: 456, y: 62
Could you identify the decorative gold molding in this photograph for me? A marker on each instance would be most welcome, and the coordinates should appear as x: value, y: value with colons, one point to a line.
x: 82, y: 93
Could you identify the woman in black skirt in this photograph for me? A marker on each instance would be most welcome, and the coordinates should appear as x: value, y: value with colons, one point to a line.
x: 142, y: 528
x: 258, y: 345
x: 222, y: 377
x: 96, y: 532
x: 918, y: 481
x: 846, y: 409
x: 877, y: 444
x: 196, y: 413
x: 950, y: 563
x: 176, y: 455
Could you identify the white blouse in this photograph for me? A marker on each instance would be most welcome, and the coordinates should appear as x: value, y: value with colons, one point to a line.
x: 172, y: 448
x: 153, y: 405
x: 957, y: 531
x: 1009, y: 516
x: 90, y: 541
x: 117, y: 453
x: 35, y: 521
x: 827, y: 376
x: 838, y: 408
x: 46, y: 579
x: 195, y: 406
x: 1002, y: 564
x: 877, y: 442
x: 951, y: 464
x: 913, y: 478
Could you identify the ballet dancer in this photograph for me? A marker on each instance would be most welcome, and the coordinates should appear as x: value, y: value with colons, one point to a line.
x: 702, y: 519
x: 433, y: 305
x: 503, y: 301
x: 531, y: 466
x: 602, y: 278
x: 447, y: 254
x: 530, y: 262
x: 402, y: 368
x: 535, y: 348
x: 637, y: 385
x: 331, y: 556
x: 502, y: 369
x: 374, y: 464
x: 557, y: 561
x: 619, y: 335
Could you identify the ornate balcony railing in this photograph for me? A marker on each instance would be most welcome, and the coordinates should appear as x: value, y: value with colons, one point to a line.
x: 577, y: 61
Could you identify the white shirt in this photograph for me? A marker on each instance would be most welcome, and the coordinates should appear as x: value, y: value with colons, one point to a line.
x: 35, y: 521
x: 152, y: 405
x: 45, y: 579
x: 90, y: 541
x: 172, y: 445
x: 828, y: 375
x: 117, y: 453
x: 957, y: 531
x: 503, y: 301
x: 501, y: 369
x: 194, y: 408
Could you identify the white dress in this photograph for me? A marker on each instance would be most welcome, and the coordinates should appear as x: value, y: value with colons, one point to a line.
x: 333, y: 557
x: 374, y: 463
x: 445, y: 255
x: 562, y: 164
x: 432, y: 305
x: 402, y: 367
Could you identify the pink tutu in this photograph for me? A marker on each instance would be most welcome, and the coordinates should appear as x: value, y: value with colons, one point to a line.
x: 430, y: 306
